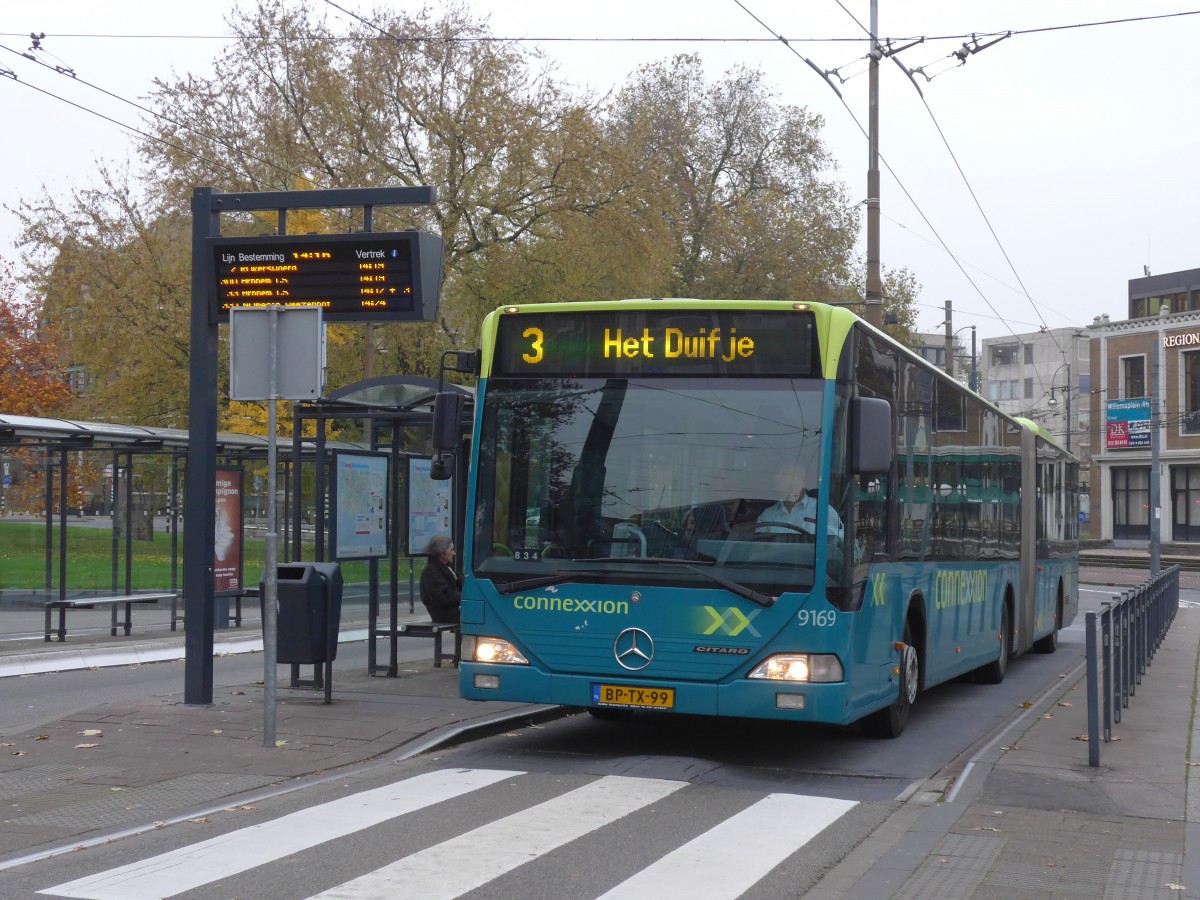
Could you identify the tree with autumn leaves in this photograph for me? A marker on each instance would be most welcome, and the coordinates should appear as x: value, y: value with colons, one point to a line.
x: 674, y: 185
x: 32, y: 383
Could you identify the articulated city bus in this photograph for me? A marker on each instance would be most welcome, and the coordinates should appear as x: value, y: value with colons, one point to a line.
x: 759, y: 509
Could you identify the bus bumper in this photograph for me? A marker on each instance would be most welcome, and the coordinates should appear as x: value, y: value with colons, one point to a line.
x: 759, y: 699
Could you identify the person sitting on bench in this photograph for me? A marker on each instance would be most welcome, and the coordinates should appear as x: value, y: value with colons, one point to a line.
x: 441, y: 590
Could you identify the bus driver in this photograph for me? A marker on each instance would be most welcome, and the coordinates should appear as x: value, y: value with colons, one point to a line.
x: 798, y: 507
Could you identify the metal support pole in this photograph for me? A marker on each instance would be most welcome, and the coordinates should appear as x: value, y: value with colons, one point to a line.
x: 949, y: 323
x: 874, y: 308
x: 62, y: 528
x: 50, y: 529
x: 1093, y: 677
x: 1155, y: 487
x: 115, y: 537
x: 1106, y: 651
x: 199, y: 534
x: 1069, y: 391
x: 271, y: 574
x: 975, y: 364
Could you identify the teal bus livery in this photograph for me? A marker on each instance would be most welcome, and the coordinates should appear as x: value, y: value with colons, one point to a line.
x: 759, y: 509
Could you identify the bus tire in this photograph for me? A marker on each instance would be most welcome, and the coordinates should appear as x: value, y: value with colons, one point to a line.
x: 1049, y: 643
x: 994, y: 672
x: 890, y: 721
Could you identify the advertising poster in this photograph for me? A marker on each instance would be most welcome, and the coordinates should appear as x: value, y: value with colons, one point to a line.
x: 429, y: 506
x: 227, y: 555
x: 1128, y: 424
x: 360, y: 492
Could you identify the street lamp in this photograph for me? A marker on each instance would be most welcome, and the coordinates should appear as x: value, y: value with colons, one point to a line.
x: 974, y: 382
x: 1053, y: 401
x: 950, y: 336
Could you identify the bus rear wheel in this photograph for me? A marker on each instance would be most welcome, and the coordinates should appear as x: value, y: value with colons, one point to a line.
x: 891, y: 721
x: 1049, y: 643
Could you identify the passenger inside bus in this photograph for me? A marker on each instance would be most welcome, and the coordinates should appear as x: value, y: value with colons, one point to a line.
x: 700, y: 523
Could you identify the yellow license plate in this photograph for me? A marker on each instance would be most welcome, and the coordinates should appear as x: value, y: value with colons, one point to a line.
x: 633, y: 697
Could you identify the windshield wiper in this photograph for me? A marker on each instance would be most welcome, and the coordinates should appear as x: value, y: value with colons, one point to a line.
x: 643, y: 559
x: 694, y: 566
x: 560, y: 577
x: 733, y: 587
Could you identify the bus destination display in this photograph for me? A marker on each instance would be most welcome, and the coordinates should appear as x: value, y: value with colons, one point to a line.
x: 352, y: 277
x: 652, y: 342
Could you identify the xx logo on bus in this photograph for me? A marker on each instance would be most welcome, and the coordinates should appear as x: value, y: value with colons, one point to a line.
x: 729, y: 621
x: 879, y: 590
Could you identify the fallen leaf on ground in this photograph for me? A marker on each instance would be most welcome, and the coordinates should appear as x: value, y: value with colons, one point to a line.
x: 1012, y: 747
x: 199, y: 820
x: 85, y: 746
x: 19, y: 753
x: 217, y: 731
x: 280, y: 743
x: 1065, y: 703
x: 1080, y: 737
x: 42, y: 737
x: 92, y: 732
x: 8, y: 744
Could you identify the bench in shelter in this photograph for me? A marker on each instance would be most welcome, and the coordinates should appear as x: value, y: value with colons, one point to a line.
x: 434, y: 630
x: 114, y: 601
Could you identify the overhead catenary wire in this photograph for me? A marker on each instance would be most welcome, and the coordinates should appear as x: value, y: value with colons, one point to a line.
x: 592, y: 39
x: 72, y: 75
x: 383, y: 34
x: 887, y: 165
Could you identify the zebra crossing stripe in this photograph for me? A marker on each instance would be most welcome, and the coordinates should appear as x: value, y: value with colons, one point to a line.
x: 239, y: 851
x: 727, y: 859
x: 471, y: 860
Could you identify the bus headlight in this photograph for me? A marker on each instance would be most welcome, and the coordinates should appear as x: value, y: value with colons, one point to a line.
x: 493, y: 650
x: 810, y: 667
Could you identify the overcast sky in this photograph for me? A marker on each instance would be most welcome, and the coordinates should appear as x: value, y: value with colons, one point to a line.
x: 1077, y: 145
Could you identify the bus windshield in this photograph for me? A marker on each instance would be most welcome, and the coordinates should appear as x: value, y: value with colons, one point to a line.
x: 612, y: 478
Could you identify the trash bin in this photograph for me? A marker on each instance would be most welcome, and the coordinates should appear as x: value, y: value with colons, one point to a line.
x: 310, y: 611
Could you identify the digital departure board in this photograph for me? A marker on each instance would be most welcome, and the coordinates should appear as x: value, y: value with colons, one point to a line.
x: 394, y: 276
x: 727, y: 343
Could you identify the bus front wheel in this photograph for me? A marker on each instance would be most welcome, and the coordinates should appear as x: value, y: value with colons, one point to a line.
x: 890, y: 721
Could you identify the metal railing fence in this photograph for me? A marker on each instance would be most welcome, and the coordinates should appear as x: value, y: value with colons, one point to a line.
x: 1121, y: 641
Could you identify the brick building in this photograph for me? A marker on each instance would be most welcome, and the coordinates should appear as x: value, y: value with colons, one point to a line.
x: 1153, y: 355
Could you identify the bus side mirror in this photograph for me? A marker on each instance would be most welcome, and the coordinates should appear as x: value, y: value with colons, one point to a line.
x: 447, y: 420
x: 447, y: 432
x: 441, y: 467
x: 870, y: 436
